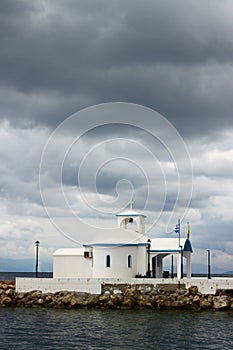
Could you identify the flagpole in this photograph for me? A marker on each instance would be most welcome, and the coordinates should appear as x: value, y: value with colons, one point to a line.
x: 179, y: 230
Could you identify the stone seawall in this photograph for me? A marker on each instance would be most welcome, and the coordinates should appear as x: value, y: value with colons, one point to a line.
x: 120, y: 296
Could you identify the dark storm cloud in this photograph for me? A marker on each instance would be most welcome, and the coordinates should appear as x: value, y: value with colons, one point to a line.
x: 176, y: 57
x: 20, y: 153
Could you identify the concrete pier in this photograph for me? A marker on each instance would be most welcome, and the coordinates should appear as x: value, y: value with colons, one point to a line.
x: 94, y: 285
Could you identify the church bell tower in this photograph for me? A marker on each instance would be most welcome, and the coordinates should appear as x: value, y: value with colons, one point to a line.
x: 129, y: 216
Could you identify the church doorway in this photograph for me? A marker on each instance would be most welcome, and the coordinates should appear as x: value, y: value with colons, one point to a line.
x: 154, y: 266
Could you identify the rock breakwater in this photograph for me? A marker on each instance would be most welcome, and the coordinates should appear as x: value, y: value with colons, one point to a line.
x: 119, y: 297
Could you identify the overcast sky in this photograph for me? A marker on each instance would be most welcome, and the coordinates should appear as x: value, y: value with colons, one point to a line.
x: 58, y: 57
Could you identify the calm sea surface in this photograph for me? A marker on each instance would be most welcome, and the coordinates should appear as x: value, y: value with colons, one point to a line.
x: 28, y: 329
x: 113, y: 329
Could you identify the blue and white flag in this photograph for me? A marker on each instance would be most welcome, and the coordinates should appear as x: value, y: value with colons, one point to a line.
x: 177, y: 228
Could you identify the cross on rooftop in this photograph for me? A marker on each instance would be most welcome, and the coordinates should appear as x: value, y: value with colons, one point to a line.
x: 131, y: 204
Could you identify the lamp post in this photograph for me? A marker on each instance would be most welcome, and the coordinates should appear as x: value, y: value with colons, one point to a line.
x: 37, y: 243
x: 181, y: 262
x: 172, y: 269
x: 208, y: 262
x: 148, y: 257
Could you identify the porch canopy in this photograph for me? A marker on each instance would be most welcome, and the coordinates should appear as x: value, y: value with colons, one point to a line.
x: 162, y: 247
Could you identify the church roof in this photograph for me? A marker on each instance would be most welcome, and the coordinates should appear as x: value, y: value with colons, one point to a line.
x: 166, y: 245
x: 130, y: 212
x: 68, y: 251
x: 117, y: 236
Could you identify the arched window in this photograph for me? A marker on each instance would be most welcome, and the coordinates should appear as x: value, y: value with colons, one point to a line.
x: 129, y: 261
x: 108, y: 261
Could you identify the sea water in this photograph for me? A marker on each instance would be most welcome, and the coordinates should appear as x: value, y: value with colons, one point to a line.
x: 40, y: 328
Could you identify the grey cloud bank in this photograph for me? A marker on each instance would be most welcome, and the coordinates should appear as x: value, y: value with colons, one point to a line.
x: 175, y: 57
x: 59, y: 57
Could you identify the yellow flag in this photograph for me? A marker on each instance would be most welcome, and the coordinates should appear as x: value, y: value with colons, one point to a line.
x: 188, y: 229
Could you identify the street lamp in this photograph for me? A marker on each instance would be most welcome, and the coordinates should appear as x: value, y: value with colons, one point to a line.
x: 37, y: 243
x: 181, y: 262
x: 172, y: 268
x: 148, y: 257
x: 208, y: 262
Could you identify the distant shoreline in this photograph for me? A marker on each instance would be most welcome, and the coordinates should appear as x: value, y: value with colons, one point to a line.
x: 4, y: 275
x: 12, y: 275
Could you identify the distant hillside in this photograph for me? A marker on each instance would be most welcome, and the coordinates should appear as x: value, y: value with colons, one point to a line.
x: 200, y: 268
x: 23, y: 265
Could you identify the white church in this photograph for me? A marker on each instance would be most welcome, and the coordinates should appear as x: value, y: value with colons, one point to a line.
x: 124, y: 253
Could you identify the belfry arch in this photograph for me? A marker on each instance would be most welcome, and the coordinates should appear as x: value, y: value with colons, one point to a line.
x: 129, y: 217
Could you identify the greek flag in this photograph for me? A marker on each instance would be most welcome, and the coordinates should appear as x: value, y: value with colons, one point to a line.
x: 177, y: 228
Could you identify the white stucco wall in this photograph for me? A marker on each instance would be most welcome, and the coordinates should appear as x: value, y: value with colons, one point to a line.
x: 141, y: 260
x: 70, y: 263
x: 72, y: 266
x: 118, y: 262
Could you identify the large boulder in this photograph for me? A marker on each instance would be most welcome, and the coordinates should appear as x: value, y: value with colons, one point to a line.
x: 128, y: 303
x: 220, y: 302
x: 205, y: 304
x: 6, y: 301
x: 193, y: 290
